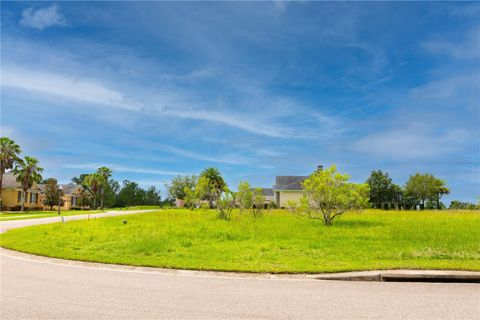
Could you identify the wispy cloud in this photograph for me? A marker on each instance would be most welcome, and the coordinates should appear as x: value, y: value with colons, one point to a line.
x: 42, y: 18
x: 120, y: 168
x: 412, y: 142
x: 62, y: 85
x: 227, y: 159
x: 93, y: 91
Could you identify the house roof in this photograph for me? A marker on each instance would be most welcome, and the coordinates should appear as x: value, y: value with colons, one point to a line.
x: 67, y: 188
x: 293, y: 183
x: 70, y: 188
x: 267, y: 192
x: 10, y: 181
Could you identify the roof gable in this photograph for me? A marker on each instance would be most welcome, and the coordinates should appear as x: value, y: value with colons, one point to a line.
x: 289, y: 183
x: 10, y: 182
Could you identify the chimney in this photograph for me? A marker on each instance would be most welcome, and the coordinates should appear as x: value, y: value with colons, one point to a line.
x: 319, y: 167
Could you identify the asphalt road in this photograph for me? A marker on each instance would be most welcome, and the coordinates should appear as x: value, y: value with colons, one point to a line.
x: 34, y: 288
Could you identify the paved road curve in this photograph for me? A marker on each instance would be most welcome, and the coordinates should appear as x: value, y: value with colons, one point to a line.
x: 45, y: 289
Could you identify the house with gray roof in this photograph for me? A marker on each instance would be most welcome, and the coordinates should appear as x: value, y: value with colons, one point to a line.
x: 289, y: 188
x: 72, y: 193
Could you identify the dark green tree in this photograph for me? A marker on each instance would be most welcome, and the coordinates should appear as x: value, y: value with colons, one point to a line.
x: 152, y: 197
x: 421, y: 188
x: 383, y: 190
x: 130, y: 194
x: 52, y: 193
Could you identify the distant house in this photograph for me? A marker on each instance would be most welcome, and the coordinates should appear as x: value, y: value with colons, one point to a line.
x: 288, y: 188
x: 71, y: 195
x: 13, y: 195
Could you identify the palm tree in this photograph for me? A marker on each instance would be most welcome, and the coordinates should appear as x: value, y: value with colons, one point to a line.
x: 441, y: 191
x: 27, y: 173
x: 9, y: 152
x: 217, y: 184
x: 94, y: 182
x: 106, y: 173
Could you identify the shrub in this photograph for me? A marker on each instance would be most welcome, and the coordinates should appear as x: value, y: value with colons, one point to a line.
x: 258, y: 200
x: 271, y: 205
x: 292, y: 206
x: 225, y: 204
x: 332, y: 194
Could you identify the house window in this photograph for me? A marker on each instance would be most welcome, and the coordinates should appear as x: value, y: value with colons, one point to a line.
x: 74, y: 201
x: 33, y: 197
x: 19, y: 198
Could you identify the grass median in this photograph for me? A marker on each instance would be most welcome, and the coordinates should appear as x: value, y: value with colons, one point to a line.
x: 277, y: 242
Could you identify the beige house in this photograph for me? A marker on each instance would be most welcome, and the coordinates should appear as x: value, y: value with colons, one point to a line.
x: 71, y: 195
x: 13, y: 195
x: 288, y: 188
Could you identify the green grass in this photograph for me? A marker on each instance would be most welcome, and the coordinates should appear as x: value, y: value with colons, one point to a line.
x: 276, y: 242
x: 15, y: 215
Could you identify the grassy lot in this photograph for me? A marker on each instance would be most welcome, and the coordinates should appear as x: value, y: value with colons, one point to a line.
x: 277, y: 242
x: 16, y: 215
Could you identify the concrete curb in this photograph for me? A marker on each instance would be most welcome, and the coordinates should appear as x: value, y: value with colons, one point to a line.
x: 405, y: 276
x: 382, y: 276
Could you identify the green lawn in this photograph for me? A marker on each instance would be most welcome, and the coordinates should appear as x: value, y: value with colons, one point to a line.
x: 277, y: 242
x: 16, y: 215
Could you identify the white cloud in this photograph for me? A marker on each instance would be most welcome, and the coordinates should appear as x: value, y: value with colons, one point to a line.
x: 61, y: 85
x: 245, y: 122
x: 228, y: 159
x: 42, y: 18
x: 412, y: 142
x: 94, y: 92
x: 119, y: 168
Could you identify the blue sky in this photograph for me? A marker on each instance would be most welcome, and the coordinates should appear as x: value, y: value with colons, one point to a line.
x: 256, y: 89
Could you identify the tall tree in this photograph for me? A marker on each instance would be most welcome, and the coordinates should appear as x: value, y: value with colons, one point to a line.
x: 130, y: 194
x: 176, y: 188
x: 441, y: 190
x: 9, y: 156
x: 52, y: 193
x: 106, y: 173
x: 217, y: 183
x: 382, y: 189
x: 94, y: 181
x: 152, y: 197
x: 80, y: 179
x: 332, y: 194
x: 422, y: 187
x: 27, y: 172
x: 111, y: 192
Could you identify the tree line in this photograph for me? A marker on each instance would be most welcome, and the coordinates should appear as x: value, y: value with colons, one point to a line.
x: 423, y: 191
x: 103, y: 191
x: 209, y: 189
x: 106, y: 192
